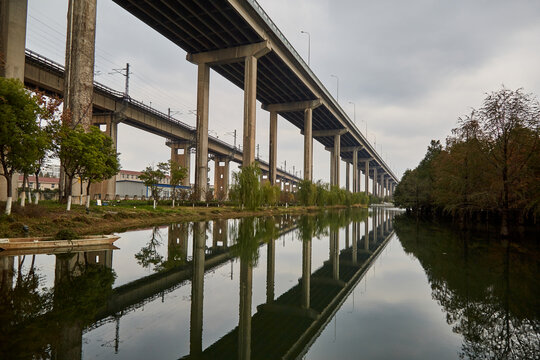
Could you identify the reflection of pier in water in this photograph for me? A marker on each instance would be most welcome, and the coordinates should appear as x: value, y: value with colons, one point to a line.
x: 285, y: 327
x: 293, y: 320
x: 136, y: 294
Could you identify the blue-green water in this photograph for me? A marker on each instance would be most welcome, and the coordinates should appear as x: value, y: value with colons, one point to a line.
x: 311, y: 287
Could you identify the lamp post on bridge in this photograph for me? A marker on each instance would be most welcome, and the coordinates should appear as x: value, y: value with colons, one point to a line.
x: 337, y: 87
x: 309, y: 46
x: 354, y: 111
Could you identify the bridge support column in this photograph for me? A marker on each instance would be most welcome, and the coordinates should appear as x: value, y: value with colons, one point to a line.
x: 383, y: 188
x: 79, y: 73
x: 308, y: 144
x: 334, y: 253
x: 355, y: 234
x: 374, y: 224
x: 6, y: 273
x: 244, y: 322
x: 307, y: 107
x: 12, y: 38
x: 273, y: 147
x: 221, y: 178
x: 348, y: 177
x: 366, y: 234
x: 366, y: 179
x: 177, y: 248
x: 337, y: 155
x: 249, y: 54
x: 375, y: 180
x: 12, y: 61
x: 270, y: 270
x: 356, y: 178
x: 181, y: 154
x: 287, y: 185
x: 219, y: 233
x: 197, y: 289
x: 105, y: 189
x: 250, y: 101
x: 201, y: 152
x: 306, y: 273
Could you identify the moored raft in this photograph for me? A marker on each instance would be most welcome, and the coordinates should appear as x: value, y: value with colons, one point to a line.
x: 51, y: 243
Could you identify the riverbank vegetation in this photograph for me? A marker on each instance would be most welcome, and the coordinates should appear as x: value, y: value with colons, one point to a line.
x: 489, y: 169
x: 50, y: 217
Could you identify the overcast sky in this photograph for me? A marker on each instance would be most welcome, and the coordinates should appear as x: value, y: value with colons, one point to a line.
x: 410, y: 67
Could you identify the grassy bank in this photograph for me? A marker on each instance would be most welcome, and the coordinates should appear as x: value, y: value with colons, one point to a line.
x: 49, y: 217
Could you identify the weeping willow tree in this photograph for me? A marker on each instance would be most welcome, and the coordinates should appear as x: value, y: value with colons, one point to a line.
x: 247, y: 189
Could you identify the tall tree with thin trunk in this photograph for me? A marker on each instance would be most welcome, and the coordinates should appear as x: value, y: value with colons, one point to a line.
x: 152, y: 177
x: 70, y: 149
x: 18, y: 130
x: 177, y: 174
x: 505, y: 119
x: 99, y: 160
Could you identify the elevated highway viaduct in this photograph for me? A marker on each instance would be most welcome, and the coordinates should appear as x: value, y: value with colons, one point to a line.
x: 238, y: 40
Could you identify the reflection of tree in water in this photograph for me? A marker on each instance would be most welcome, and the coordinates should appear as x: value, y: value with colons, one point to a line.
x: 33, y: 320
x: 248, y: 233
x: 488, y: 289
x: 318, y: 224
x: 19, y: 306
x: 148, y: 255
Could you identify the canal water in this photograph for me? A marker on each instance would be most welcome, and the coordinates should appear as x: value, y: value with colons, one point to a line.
x: 331, y: 285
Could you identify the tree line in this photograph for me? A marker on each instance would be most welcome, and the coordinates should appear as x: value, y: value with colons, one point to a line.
x: 488, y: 169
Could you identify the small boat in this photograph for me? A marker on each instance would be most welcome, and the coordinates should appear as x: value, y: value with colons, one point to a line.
x: 51, y: 243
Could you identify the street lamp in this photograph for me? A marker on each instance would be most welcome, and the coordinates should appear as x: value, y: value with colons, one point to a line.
x: 308, y: 47
x: 337, y: 87
x: 354, y: 109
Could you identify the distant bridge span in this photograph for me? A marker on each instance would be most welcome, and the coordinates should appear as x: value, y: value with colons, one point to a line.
x: 46, y: 75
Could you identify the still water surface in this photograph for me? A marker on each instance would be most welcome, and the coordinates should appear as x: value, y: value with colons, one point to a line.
x: 308, y: 287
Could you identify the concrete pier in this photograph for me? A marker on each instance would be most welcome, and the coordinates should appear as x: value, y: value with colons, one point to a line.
x: 308, y: 145
x: 375, y: 179
x: 181, y: 154
x: 201, y: 152
x: 356, y: 178
x: 306, y: 273
x: 273, y: 148
x: 12, y: 44
x: 250, y: 102
x: 79, y: 72
x: 366, y: 173
x: 197, y: 289
x: 221, y: 178
x: 106, y: 189
x: 270, y: 270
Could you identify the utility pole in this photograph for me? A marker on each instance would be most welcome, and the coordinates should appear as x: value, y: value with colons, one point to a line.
x: 126, y: 74
x: 127, y: 80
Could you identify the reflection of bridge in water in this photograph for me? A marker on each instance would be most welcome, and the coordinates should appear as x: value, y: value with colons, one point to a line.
x: 281, y: 327
x: 285, y: 327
